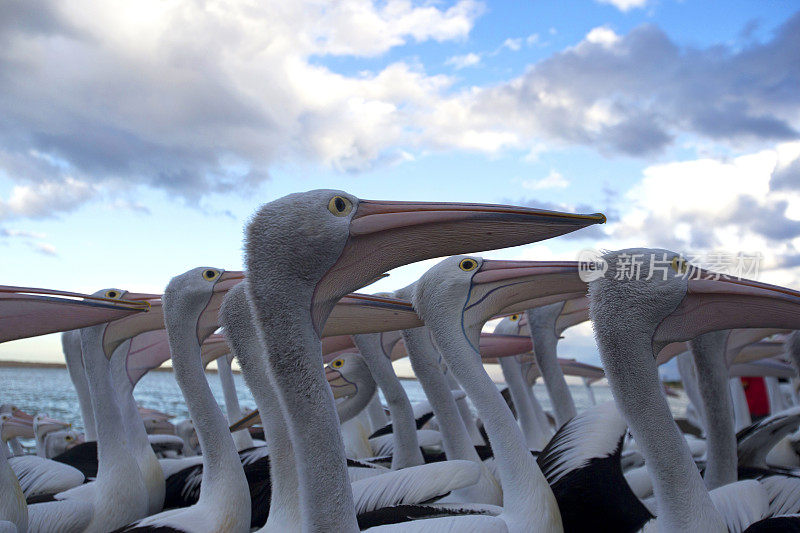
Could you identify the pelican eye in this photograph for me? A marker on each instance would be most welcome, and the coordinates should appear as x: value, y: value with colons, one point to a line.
x: 468, y: 264
x: 210, y: 274
x: 514, y: 318
x: 338, y: 363
x: 68, y: 438
x: 112, y: 294
x: 340, y: 206
x: 679, y: 265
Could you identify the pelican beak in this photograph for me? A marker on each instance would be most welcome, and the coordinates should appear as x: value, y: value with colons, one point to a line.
x: 45, y: 424
x: 129, y: 327
x: 252, y: 418
x: 227, y: 280
x: 147, y: 351
x: 758, y: 351
x: 155, y: 426
x: 212, y: 349
x: 339, y: 385
x: 386, y: 235
x: 574, y: 312
x: 141, y: 296
x: 497, y: 345
x: 363, y: 313
x: 712, y: 304
x: 399, y: 350
x: 29, y: 312
x: 14, y: 427
x: 740, y: 338
x: 336, y: 343
x: 670, y: 351
x: 503, y: 287
x: 208, y: 322
x: 154, y: 413
x: 22, y: 415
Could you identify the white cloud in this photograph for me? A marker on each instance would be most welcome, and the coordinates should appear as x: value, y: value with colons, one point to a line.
x: 46, y: 199
x: 4, y: 232
x: 203, y: 98
x: 554, y: 180
x: 32, y: 239
x: 625, y: 5
x: 532, y: 39
x: 464, y: 61
x: 513, y: 44
x: 45, y: 248
x: 194, y: 98
x: 603, y: 36
x: 714, y: 205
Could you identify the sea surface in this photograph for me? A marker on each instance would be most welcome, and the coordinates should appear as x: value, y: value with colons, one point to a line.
x: 49, y: 390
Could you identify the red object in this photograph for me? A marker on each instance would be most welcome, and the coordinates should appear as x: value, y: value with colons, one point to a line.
x: 756, y: 393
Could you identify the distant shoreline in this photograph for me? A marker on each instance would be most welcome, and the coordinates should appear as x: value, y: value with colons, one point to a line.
x: 31, y: 364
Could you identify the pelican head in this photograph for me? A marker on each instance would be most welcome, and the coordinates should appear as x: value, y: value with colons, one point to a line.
x: 339, y: 243
x: 350, y: 378
x: 43, y: 424
x: 659, y: 290
x: 473, y: 289
x: 12, y: 427
x: 196, y: 295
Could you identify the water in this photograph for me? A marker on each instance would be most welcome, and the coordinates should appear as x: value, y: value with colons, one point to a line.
x: 49, y: 390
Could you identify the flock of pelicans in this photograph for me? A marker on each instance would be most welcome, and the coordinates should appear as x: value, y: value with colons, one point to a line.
x: 313, y: 353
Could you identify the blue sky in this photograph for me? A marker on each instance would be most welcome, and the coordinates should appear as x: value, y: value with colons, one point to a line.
x: 136, y: 142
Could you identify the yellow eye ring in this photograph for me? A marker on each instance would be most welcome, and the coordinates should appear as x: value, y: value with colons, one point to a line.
x: 112, y: 294
x: 211, y: 274
x: 337, y: 364
x: 514, y: 318
x: 68, y: 438
x: 340, y: 206
x: 468, y: 265
x: 679, y: 265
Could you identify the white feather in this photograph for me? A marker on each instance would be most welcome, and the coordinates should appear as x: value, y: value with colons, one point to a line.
x: 38, y: 475
x: 594, y: 433
x: 59, y: 517
x: 741, y: 504
x: 384, y: 445
x: 413, y: 485
x: 783, y: 493
x: 449, y: 524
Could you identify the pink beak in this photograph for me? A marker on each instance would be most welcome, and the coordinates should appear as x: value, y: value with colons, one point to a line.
x: 385, y: 235
x: 29, y: 312
x: 715, y: 304
x: 514, y: 286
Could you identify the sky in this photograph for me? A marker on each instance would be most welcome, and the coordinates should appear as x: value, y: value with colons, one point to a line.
x: 137, y: 138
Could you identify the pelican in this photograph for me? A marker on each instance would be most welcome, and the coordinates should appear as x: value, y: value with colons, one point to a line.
x: 37, y: 476
x: 71, y: 346
x: 376, y: 348
x: 17, y: 516
x: 633, y: 318
x: 542, y: 326
x: 455, y: 298
x: 11, y: 446
x: 118, y: 492
x: 536, y: 433
x: 224, y: 503
x: 379, y: 499
x: 242, y: 439
x: 307, y: 250
x: 427, y: 365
